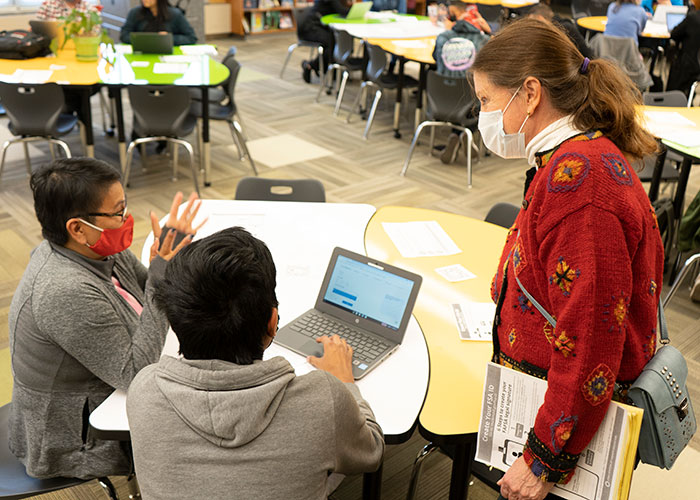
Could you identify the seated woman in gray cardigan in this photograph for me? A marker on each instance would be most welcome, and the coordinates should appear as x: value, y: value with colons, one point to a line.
x: 158, y: 16
x: 81, y: 320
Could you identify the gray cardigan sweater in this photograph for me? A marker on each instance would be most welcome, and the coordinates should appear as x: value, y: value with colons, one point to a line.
x: 73, y: 340
x: 213, y: 429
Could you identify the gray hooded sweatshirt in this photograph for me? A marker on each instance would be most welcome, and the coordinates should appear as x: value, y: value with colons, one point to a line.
x: 214, y: 429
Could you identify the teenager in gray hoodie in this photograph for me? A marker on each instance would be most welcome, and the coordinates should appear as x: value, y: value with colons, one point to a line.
x: 220, y: 422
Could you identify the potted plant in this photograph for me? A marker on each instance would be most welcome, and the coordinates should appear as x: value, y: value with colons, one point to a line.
x: 85, y: 28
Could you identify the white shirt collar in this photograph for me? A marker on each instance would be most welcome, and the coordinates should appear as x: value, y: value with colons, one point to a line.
x: 552, y: 135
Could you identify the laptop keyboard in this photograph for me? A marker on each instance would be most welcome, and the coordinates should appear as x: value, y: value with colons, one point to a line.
x: 364, y: 347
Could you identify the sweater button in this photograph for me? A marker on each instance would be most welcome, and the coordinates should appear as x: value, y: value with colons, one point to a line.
x: 525, y: 204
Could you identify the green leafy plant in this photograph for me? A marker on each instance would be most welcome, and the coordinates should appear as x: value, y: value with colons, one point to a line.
x: 78, y: 23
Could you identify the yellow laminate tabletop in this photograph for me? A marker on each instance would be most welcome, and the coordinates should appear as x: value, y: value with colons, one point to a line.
x: 65, y: 68
x: 457, y: 367
x: 413, y: 49
x: 597, y: 23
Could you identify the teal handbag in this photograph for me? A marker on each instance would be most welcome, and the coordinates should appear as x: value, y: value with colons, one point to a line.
x: 660, y: 390
x: 668, y: 423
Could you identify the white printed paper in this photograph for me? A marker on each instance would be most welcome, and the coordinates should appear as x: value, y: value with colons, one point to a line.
x: 455, y: 273
x: 179, y: 59
x: 474, y: 320
x: 508, y: 411
x: 410, y: 44
x: 32, y: 75
x: 198, y: 50
x: 168, y: 68
x: 420, y: 239
x: 672, y: 126
x: 666, y: 118
x: 253, y: 223
x: 122, y: 48
x: 56, y: 67
x: 139, y: 64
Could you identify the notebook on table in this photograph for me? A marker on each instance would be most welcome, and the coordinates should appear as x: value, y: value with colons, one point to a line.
x: 152, y: 43
x: 366, y: 302
x: 358, y: 11
x: 49, y: 29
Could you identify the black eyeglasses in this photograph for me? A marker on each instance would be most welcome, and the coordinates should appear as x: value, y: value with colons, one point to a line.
x: 121, y: 214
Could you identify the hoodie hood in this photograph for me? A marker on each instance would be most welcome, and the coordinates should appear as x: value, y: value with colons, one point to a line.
x: 227, y: 404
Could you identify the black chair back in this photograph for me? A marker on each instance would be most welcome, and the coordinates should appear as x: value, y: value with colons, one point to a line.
x: 502, y: 214
x: 32, y: 109
x: 343, y: 46
x: 257, y: 188
x: 598, y: 7
x: 580, y: 8
x: 376, y: 63
x: 234, y: 68
x: 451, y: 100
x: 671, y: 98
x: 159, y: 111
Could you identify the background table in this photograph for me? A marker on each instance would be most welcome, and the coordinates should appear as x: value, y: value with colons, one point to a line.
x: 301, y: 238
x: 597, y: 24
x: 450, y: 413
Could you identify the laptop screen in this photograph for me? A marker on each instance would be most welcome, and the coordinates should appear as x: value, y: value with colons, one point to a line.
x: 673, y: 19
x: 368, y: 292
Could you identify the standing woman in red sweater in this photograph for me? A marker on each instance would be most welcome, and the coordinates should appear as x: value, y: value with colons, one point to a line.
x: 585, y: 244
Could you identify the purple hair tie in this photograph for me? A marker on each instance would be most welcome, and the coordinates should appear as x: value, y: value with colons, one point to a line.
x: 584, y: 66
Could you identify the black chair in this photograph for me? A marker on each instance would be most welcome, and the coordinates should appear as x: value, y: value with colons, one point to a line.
x: 228, y: 112
x: 257, y: 188
x: 218, y: 93
x: 598, y: 7
x: 377, y: 79
x: 694, y: 86
x: 580, y: 8
x: 161, y: 114
x: 315, y: 48
x: 35, y: 115
x: 502, y: 214
x: 450, y: 103
x: 14, y: 481
x: 342, y: 60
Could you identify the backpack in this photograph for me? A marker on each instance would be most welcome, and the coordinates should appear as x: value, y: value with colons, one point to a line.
x: 23, y: 44
x: 665, y: 220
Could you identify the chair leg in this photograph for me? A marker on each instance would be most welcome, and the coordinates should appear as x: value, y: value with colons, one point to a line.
x: 239, y: 148
x: 324, y: 83
x: 691, y: 95
x: 237, y: 117
x: 341, y: 92
x: 417, y: 466
x: 416, y: 135
x: 174, y: 155
x: 27, y: 161
x: 193, y: 168
x: 432, y: 140
x: 236, y: 130
x: 470, y: 141
x: 108, y: 487
x: 356, y: 103
x: 5, y: 145
x: 127, y: 165
x: 64, y: 146
x: 291, y: 49
x: 321, y: 66
x: 372, y: 111
x: 679, y: 278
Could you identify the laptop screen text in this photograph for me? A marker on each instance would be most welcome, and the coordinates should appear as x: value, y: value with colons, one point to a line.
x: 368, y: 292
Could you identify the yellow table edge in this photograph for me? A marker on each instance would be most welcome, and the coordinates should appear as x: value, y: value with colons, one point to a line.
x: 457, y: 367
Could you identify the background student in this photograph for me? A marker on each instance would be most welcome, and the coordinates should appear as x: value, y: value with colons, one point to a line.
x: 158, y: 16
x: 626, y: 19
x: 81, y: 322
x: 221, y: 421
x: 51, y: 10
x: 685, y: 69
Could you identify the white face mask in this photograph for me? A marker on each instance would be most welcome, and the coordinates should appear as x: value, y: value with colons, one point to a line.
x: 495, y: 138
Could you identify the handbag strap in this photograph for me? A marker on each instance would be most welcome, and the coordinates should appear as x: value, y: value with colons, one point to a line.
x: 663, y: 328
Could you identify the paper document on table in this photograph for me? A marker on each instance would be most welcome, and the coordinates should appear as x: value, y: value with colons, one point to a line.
x: 666, y: 118
x: 123, y: 48
x: 508, y: 410
x: 179, y: 59
x: 687, y: 138
x: 455, y: 273
x: 474, y: 320
x: 167, y: 68
x: 139, y: 64
x: 198, y: 50
x: 32, y: 75
x: 653, y: 28
x: 672, y: 126
x: 420, y: 239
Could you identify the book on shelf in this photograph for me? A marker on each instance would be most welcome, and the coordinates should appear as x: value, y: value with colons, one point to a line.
x: 287, y: 3
x: 286, y: 21
x: 256, y: 22
x: 250, y: 4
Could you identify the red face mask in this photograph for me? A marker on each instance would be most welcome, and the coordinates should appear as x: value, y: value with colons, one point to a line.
x: 113, y: 241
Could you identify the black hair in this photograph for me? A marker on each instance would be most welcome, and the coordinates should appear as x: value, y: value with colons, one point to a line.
x: 218, y: 294
x: 67, y: 188
x: 459, y: 4
x: 162, y: 15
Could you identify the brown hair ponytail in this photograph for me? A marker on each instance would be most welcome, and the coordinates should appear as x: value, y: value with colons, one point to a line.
x: 599, y: 96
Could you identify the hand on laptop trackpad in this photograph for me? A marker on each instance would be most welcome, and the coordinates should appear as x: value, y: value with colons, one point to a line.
x: 313, y: 348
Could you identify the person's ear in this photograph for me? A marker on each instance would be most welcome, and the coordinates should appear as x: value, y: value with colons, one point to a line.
x: 533, y: 93
x: 273, y: 324
x: 76, y: 231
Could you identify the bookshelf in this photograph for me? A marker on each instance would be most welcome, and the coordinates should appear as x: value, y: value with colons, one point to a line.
x: 270, y: 16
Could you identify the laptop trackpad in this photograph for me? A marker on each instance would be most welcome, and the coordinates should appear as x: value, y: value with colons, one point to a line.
x: 312, y: 348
